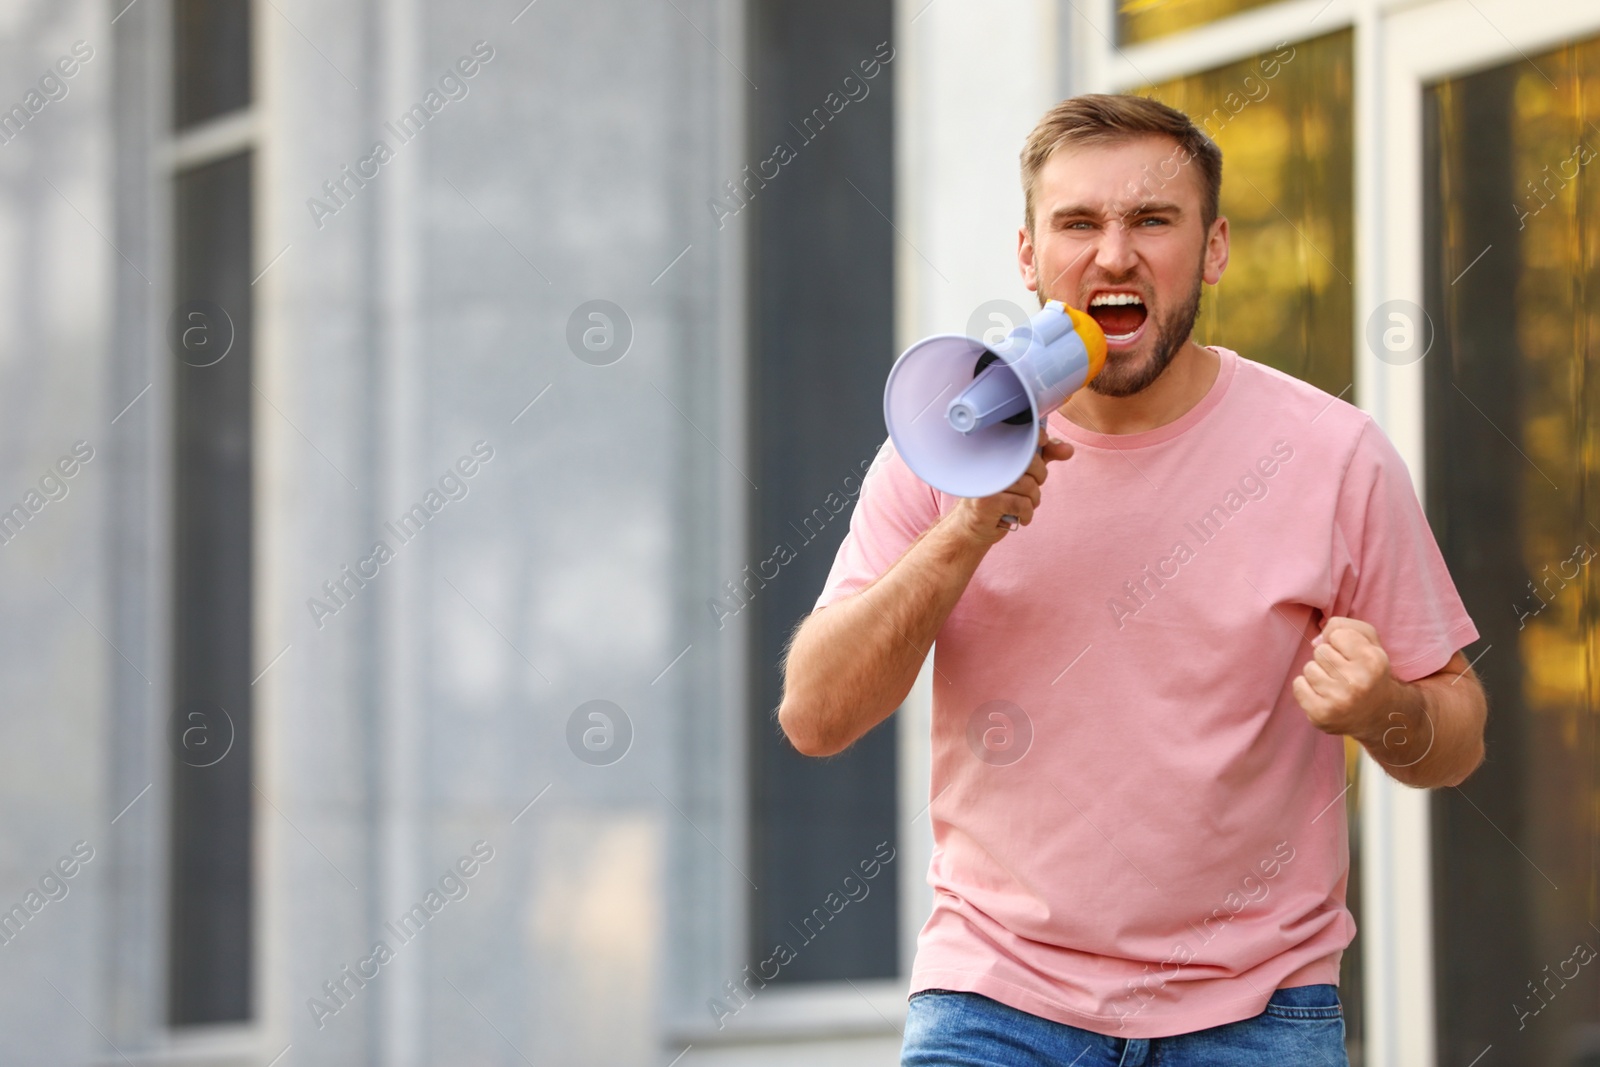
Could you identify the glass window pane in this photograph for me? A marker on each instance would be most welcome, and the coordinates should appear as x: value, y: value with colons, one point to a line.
x: 822, y: 340
x: 211, y: 58
x: 1512, y: 435
x: 1283, y: 120
x: 1143, y: 20
x: 209, y: 925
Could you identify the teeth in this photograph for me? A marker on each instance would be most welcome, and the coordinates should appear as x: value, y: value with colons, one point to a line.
x: 1116, y: 299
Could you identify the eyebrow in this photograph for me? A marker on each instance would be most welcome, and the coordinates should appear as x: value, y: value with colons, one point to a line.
x: 1147, y: 207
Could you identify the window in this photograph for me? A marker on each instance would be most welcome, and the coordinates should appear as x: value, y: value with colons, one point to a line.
x: 1511, y: 287
x: 822, y: 292
x: 1144, y: 20
x: 211, y: 59
x: 1283, y: 120
x: 210, y: 907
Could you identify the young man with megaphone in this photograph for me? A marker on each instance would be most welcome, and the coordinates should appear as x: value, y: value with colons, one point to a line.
x: 1140, y: 699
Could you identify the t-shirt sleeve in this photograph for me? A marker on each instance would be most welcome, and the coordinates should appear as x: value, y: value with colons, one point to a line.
x: 1387, y: 567
x: 894, y: 508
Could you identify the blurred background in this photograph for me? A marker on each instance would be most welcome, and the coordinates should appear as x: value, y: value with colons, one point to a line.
x: 424, y: 423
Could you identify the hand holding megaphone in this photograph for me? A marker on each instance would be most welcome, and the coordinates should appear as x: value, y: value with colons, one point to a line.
x: 969, y: 419
x: 989, y: 518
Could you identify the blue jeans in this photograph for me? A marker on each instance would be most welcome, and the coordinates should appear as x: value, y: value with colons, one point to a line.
x: 1303, y: 1026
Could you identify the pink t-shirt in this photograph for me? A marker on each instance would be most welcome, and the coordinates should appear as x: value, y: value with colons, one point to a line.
x: 1136, y: 829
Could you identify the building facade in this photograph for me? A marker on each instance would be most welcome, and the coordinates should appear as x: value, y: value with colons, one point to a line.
x: 427, y: 423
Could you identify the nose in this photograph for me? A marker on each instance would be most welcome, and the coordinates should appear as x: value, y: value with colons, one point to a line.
x: 1114, y: 251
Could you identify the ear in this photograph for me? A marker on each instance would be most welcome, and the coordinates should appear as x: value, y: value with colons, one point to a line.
x: 1025, y: 260
x: 1216, y: 258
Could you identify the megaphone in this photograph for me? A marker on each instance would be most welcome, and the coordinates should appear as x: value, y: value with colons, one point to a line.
x: 965, y: 416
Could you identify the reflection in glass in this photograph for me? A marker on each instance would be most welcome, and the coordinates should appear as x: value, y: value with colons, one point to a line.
x: 212, y: 799
x: 1283, y: 122
x: 1142, y: 20
x: 1512, y: 454
x: 211, y: 59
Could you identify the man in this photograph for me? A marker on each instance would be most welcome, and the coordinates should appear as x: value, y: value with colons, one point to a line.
x: 1140, y: 849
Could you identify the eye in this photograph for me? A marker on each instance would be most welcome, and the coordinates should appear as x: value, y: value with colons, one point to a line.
x: 1158, y: 220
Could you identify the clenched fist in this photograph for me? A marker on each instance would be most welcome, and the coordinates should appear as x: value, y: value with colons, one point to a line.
x: 1346, y: 687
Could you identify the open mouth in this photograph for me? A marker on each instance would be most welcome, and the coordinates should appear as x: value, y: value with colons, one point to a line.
x: 1121, y: 315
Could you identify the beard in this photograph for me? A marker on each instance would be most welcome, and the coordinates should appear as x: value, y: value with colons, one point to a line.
x: 1122, y: 376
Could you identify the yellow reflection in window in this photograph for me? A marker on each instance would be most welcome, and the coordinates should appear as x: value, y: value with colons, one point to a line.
x: 1517, y: 162
x: 1555, y: 152
x: 1142, y: 20
x: 1283, y: 120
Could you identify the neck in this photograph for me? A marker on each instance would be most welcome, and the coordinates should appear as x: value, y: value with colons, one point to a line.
x: 1180, y: 387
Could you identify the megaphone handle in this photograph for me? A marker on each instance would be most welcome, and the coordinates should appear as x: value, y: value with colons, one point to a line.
x: 1010, y: 522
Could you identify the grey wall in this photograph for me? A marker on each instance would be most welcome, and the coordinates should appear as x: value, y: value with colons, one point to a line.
x: 59, y: 276
x: 428, y: 713
x: 420, y: 320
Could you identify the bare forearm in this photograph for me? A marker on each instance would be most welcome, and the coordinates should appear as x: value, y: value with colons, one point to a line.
x: 853, y: 663
x: 1433, y: 736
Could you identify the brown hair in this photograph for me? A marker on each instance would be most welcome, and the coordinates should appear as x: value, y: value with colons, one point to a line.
x: 1101, y: 118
